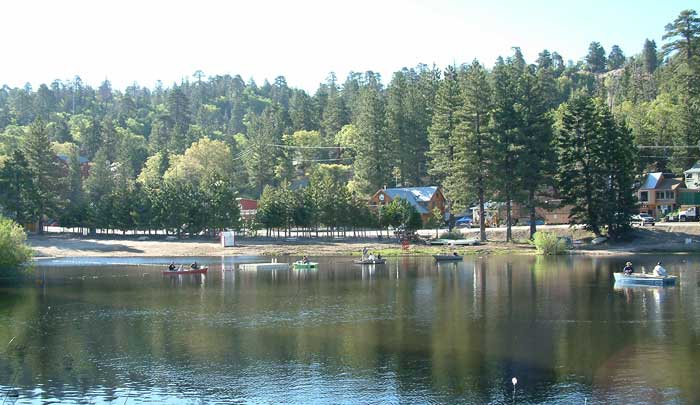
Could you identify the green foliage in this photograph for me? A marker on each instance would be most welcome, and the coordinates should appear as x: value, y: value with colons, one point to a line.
x: 452, y: 235
x: 548, y: 243
x: 46, y: 173
x: 13, y: 250
x: 595, y: 60
x: 596, y: 165
x: 684, y: 33
x: 400, y: 213
x: 373, y: 163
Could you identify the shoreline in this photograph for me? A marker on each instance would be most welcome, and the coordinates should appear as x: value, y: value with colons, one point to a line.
x: 61, y: 246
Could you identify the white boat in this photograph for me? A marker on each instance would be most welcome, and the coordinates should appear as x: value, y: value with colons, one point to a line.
x: 308, y: 265
x: 644, y: 279
x: 445, y: 258
x: 370, y: 261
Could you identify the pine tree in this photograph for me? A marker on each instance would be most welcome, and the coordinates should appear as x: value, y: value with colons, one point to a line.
x: 649, y: 56
x: 616, y: 59
x: 534, y: 157
x: 98, y: 190
x: 595, y: 60
x: 595, y: 165
x: 440, y: 133
x: 506, y: 127
x: 259, y: 156
x: 373, y: 161
x: 685, y: 32
x: 470, y: 174
x: 407, y: 122
x: 45, y: 170
x: 17, y: 189
x: 620, y: 164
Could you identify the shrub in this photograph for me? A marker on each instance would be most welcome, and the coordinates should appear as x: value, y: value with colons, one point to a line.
x: 13, y: 250
x: 549, y: 244
x: 452, y: 235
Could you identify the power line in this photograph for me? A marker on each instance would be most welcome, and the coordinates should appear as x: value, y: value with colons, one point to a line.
x: 668, y: 146
x: 320, y: 160
x: 308, y: 147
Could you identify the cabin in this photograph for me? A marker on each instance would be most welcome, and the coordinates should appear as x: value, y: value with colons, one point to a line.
x: 659, y: 194
x: 64, y: 161
x: 248, y: 208
x: 424, y: 199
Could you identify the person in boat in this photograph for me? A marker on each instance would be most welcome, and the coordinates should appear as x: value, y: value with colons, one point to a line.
x: 379, y: 256
x: 172, y: 267
x: 659, y: 271
x: 194, y: 266
x: 371, y: 256
x: 305, y: 260
x: 628, y: 268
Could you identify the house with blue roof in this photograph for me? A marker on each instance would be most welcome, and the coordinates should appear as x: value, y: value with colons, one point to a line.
x: 659, y: 194
x: 424, y: 199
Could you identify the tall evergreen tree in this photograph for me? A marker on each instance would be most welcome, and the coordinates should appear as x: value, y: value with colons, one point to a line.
x: 649, y: 56
x: 373, y: 161
x: 534, y: 158
x: 17, y: 189
x: 440, y: 133
x: 470, y: 137
x: 506, y: 127
x: 595, y: 59
x: 616, y: 59
x: 684, y: 32
x: 46, y: 173
x: 595, y: 169
x: 407, y: 122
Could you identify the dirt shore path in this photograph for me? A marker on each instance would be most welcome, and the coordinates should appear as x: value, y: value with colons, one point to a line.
x: 62, y: 246
x: 683, y: 238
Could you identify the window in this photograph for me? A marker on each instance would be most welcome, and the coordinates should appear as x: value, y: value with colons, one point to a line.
x: 644, y: 196
x: 664, y: 195
x: 689, y: 175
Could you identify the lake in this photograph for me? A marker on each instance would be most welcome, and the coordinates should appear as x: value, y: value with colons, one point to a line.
x: 411, y: 331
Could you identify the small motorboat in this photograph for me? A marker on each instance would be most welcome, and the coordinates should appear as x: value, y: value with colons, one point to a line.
x: 308, y: 265
x: 180, y: 270
x: 447, y: 258
x: 370, y: 261
x: 644, y: 279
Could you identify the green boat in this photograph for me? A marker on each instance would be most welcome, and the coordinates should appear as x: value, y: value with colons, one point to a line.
x: 302, y: 265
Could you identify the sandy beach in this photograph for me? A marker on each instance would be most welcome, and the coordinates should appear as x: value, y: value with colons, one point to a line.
x: 668, y: 238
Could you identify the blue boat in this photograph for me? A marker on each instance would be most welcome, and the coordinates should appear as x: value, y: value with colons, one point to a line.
x: 644, y: 279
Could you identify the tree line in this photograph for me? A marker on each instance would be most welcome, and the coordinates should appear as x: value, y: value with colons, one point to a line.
x: 176, y: 157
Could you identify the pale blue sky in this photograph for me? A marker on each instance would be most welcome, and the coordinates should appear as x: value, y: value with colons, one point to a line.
x: 148, y: 40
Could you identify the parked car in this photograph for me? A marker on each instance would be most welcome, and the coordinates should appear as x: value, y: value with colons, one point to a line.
x: 538, y: 222
x: 464, y: 222
x: 643, y: 219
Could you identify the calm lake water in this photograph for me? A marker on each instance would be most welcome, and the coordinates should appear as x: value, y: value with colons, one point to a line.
x: 412, y: 331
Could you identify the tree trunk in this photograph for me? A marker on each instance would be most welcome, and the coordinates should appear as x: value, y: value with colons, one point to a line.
x: 482, y: 222
x: 509, y: 231
x: 531, y: 206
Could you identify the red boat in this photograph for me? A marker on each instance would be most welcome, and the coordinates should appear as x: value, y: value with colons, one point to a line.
x: 202, y: 270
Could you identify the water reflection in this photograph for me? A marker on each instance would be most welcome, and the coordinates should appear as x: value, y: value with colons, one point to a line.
x: 409, y: 331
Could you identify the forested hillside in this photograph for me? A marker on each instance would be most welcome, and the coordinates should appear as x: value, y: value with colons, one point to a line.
x: 177, y: 156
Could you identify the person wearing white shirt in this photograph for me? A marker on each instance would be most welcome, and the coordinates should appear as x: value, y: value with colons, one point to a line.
x: 659, y: 271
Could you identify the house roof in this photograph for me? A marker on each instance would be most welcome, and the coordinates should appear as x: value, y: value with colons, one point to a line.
x: 414, y: 195
x: 419, y: 193
x: 652, y: 180
x: 669, y: 184
x: 81, y: 159
x: 694, y: 169
x: 247, y: 204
